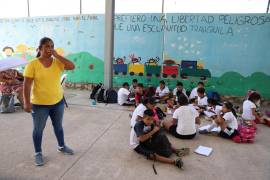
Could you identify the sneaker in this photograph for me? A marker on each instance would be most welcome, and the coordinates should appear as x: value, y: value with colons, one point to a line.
x: 65, y: 150
x: 179, y: 163
x: 39, y: 159
x: 205, y: 131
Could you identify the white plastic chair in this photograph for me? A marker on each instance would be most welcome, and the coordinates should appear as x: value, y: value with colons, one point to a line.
x: 63, y: 80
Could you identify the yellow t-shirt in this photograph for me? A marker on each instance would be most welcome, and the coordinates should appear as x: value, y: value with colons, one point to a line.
x: 46, y: 89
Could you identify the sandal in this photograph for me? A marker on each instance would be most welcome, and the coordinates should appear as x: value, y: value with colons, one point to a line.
x: 182, y: 152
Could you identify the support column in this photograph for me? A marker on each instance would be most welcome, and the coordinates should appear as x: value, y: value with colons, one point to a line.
x: 109, y: 43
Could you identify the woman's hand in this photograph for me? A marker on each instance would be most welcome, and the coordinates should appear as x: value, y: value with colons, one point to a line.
x: 27, y: 107
x: 69, y: 65
x: 55, y: 54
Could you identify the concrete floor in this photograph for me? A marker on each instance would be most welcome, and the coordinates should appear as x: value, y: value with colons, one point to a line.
x: 100, y: 137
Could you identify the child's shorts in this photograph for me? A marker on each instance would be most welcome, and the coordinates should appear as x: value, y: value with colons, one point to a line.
x: 229, y: 133
x: 172, y: 131
x: 144, y: 151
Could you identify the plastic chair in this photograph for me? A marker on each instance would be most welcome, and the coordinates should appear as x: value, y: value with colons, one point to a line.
x: 63, y: 80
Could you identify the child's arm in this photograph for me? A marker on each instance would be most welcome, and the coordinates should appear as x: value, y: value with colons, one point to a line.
x: 197, y: 120
x: 139, y: 118
x: 174, y: 121
x: 255, y: 114
x: 148, y: 135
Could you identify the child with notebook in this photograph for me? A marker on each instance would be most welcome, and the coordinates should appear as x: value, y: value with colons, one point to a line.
x: 227, y: 122
x: 213, y: 108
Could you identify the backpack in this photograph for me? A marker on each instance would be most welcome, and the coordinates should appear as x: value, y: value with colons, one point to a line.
x: 101, y: 94
x: 95, y: 90
x: 7, y: 104
x: 213, y: 95
x: 111, y: 96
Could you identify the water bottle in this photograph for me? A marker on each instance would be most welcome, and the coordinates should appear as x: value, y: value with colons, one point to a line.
x: 93, y: 102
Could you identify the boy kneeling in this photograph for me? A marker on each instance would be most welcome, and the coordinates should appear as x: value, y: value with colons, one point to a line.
x: 148, y: 140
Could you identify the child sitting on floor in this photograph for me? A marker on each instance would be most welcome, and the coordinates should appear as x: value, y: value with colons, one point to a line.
x: 213, y: 108
x: 137, y: 115
x: 184, y: 121
x: 193, y: 103
x: 123, y: 96
x: 170, y: 106
x: 133, y: 87
x: 194, y: 93
x: 178, y: 90
x: 162, y: 91
x: 250, y: 116
x: 139, y: 95
x: 146, y: 139
x: 227, y: 122
x: 202, y: 100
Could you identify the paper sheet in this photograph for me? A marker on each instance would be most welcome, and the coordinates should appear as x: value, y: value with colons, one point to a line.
x: 216, y: 129
x: 203, y: 150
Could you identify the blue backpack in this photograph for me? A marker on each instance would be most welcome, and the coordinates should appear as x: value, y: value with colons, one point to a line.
x: 213, y: 95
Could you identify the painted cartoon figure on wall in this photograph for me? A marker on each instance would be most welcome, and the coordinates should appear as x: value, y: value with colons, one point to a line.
x: 135, y: 68
x: 134, y: 59
x: 119, y: 66
x: 8, y: 51
x: 152, y: 68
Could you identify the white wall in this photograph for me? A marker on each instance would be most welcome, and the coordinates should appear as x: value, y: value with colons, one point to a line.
x: 18, y: 8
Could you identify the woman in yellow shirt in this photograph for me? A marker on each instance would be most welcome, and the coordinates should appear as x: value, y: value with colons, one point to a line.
x: 42, y: 80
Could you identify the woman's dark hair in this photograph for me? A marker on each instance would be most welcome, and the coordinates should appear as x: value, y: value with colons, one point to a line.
x: 229, y: 106
x: 182, y: 100
x: 254, y: 97
x: 148, y: 112
x: 41, y: 43
x: 179, y: 84
x: 134, y: 80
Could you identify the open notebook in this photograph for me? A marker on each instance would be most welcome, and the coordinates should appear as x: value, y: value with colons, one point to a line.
x: 216, y: 129
x: 203, y: 150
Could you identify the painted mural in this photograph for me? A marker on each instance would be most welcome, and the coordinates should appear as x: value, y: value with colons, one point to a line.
x: 230, y: 52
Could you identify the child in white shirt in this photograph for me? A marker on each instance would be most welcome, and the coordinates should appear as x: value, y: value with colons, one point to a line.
x: 250, y: 116
x: 202, y: 98
x: 137, y: 115
x: 179, y: 90
x: 226, y: 121
x: 123, y: 95
x: 162, y: 92
x: 194, y: 93
x: 184, y: 121
x: 213, y: 108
